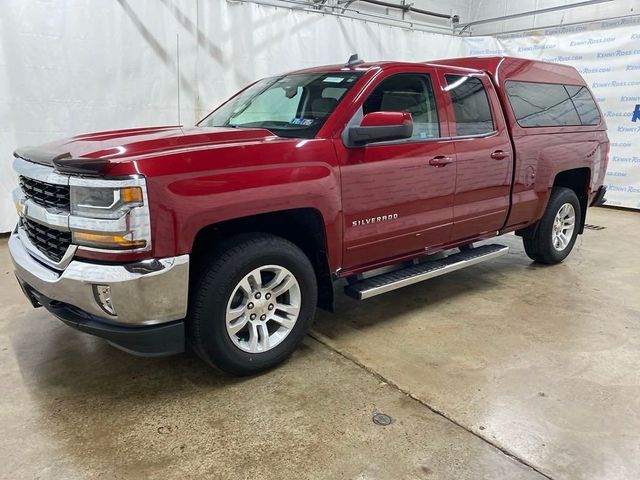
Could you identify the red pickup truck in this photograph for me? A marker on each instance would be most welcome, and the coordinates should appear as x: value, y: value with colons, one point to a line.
x: 226, y: 236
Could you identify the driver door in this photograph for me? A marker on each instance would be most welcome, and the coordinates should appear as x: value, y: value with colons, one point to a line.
x: 398, y: 195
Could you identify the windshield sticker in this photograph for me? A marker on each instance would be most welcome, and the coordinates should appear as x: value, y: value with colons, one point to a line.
x: 333, y: 79
x: 306, y: 122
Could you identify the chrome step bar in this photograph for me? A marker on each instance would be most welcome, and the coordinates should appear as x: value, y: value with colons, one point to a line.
x: 387, y: 282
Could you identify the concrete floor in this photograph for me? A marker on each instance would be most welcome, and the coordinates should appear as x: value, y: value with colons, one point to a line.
x: 505, y: 370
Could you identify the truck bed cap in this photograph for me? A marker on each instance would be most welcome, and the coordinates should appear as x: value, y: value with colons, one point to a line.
x: 502, y: 68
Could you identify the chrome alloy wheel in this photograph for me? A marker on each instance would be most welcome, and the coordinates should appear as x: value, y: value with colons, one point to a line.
x: 263, y: 309
x: 563, y: 227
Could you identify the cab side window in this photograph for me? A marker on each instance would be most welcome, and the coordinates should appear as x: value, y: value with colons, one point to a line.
x: 470, y: 105
x: 412, y: 93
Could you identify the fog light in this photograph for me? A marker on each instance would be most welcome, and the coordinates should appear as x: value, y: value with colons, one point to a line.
x: 102, y: 294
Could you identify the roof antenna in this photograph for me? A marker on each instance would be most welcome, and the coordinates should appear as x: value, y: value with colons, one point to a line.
x: 353, y: 61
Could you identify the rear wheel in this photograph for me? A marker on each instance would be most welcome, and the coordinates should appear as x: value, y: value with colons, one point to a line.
x: 253, y: 304
x: 556, y: 232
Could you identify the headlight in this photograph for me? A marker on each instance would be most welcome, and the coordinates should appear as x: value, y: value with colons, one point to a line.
x: 100, y: 202
x: 110, y: 214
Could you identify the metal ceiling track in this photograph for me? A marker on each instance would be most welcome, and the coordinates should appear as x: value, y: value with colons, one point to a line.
x: 571, y: 24
x: 405, y: 7
x: 463, y: 27
x: 343, y: 10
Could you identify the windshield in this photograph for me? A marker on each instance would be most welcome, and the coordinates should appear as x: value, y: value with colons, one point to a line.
x: 290, y: 106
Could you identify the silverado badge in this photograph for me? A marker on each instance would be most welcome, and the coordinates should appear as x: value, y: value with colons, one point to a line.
x: 367, y: 221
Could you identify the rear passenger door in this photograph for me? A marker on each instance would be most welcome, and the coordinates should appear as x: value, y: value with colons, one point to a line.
x: 484, y: 157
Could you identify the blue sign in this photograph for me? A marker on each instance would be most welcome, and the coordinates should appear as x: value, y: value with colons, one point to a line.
x: 636, y: 114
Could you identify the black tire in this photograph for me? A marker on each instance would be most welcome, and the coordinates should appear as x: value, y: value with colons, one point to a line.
x: 234, y: 259
x: 538, y: 243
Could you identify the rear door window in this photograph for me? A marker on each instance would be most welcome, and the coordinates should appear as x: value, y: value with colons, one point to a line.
x: 541, y: 104
x: 470, y: 105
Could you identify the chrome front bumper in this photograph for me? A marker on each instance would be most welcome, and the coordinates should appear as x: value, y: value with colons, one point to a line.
x: 149, y: 292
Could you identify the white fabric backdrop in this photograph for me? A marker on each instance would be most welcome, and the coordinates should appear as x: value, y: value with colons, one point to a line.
x: 607, y: 54
x: 72, y: 66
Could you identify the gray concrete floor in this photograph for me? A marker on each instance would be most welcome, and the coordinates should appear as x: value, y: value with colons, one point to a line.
x: 505, y: 370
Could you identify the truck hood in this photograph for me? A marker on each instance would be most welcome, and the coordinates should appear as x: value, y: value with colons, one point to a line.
x: 94, y: 153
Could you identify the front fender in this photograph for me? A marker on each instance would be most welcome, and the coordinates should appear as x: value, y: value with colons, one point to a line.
x: 246, y: 181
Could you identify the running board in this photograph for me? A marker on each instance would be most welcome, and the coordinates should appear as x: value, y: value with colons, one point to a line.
x: 386, y: 282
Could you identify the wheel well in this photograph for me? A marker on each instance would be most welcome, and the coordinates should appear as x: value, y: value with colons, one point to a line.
x: 303, y: 226
x: 577, y: 180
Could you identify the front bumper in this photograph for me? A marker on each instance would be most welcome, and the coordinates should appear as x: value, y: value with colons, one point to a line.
x: 149, y: 298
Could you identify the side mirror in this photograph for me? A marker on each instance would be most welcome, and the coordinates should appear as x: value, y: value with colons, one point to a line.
x: 380, y: 126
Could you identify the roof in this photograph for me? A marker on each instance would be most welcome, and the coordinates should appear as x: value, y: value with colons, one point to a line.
x: 363, y: 67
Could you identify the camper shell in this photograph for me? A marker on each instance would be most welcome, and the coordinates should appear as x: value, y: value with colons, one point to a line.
x: 503, y: 69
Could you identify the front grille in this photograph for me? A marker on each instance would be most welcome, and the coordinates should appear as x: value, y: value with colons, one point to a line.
x: 46, y: 194
x: 53, y: 243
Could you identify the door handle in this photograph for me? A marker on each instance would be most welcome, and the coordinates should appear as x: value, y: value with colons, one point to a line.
x: 499, y: 155
x: 440, y: 161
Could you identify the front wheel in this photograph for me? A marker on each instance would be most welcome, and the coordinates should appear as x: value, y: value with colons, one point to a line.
x: 253, y: 304
x: 556, y: 232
